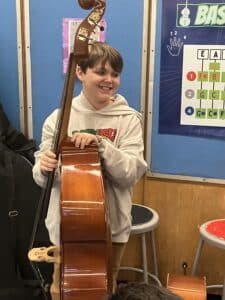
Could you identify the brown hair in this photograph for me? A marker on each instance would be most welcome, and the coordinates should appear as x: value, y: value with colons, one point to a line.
x: 102, y: 53
x: 142, y: 291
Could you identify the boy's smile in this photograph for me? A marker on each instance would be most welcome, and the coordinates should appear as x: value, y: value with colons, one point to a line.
x: 100, y: 83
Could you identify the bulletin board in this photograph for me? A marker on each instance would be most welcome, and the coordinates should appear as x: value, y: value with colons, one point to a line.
x: 124, y: 25
x: 187, y: 134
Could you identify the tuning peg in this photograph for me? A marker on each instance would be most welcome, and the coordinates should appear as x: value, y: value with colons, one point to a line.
x: 101, y: 27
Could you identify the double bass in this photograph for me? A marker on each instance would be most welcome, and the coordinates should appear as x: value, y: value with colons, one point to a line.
x: 85, y: 246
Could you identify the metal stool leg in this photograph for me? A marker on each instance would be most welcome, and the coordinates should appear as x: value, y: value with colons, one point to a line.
x: 197, y: 256
x: 155, y: 264
x: 144, y: 257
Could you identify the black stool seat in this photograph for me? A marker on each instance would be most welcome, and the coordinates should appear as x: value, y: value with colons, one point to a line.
x: 144, y: 219
x: 140, y: 215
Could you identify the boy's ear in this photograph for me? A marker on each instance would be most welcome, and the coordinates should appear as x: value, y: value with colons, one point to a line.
x: 79, y: 72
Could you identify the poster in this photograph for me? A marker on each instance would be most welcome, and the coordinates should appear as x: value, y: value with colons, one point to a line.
x: 192, y: 68
x: 203, y: 85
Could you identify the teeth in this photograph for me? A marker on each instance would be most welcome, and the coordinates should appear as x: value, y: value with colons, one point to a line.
x: 106, y: 87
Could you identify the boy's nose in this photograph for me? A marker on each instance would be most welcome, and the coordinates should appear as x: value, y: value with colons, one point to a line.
x: 108, y: 77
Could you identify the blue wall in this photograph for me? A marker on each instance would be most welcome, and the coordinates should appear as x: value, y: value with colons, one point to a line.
x: 9, y: 92
x: 124, y: 31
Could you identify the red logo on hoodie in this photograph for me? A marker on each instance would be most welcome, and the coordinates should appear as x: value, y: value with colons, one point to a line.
x: 109, y: 133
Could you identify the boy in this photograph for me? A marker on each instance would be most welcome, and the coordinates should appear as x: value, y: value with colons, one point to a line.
x: 99, y: 115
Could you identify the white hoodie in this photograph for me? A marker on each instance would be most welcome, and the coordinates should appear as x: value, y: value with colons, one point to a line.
x: 121, y: 153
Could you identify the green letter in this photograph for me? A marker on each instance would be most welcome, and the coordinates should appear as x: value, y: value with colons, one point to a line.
x: 212, y: 15
x: 221, y: 15
x: 201, y: 14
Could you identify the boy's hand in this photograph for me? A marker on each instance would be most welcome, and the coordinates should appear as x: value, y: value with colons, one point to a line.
x: 82, y: 139
x: 48, y: 161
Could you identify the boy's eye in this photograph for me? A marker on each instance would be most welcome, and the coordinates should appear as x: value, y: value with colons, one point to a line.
x: 100, y: 72
x: 104, y: 72
x: 115, y: 74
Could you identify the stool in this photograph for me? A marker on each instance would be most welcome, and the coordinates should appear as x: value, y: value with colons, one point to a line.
x: 145, y: 220
x: 213, y: 233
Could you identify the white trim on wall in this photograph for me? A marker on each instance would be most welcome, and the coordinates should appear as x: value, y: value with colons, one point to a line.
x: 144, y: 55
x: 24, y: 67
x: 152, y: 21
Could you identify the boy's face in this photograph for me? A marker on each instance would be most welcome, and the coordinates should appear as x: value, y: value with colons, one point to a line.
x: 99, y: 84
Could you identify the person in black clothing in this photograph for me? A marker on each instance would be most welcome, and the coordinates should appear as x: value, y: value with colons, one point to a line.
x: 19, y: 198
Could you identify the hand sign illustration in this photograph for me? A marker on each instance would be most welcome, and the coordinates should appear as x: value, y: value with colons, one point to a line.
x: 175, y: 46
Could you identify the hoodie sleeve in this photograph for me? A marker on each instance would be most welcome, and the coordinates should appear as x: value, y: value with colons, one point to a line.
x: 125, y: 165
x: 46, y: 143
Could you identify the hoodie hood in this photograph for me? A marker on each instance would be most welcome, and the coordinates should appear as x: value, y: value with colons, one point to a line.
x: 118, y: 107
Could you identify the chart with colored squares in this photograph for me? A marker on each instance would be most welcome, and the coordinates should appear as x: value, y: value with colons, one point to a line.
x: 203, y: 85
